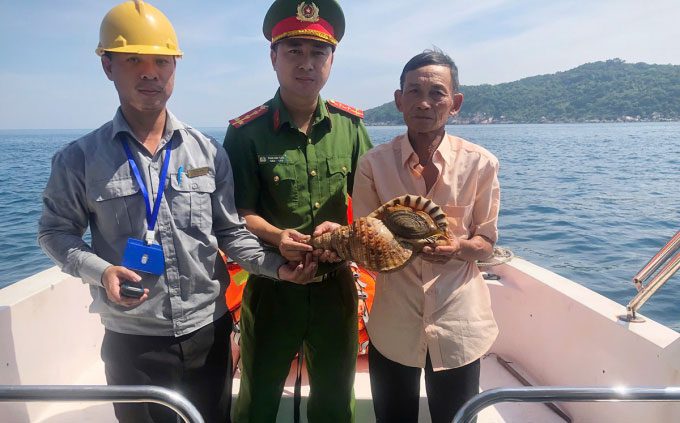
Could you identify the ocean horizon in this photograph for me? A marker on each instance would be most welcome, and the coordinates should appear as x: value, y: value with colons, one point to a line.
x: 212, y: 129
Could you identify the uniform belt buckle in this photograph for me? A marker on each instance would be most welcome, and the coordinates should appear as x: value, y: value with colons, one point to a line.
x: 328, y: 275
x: 322, y: 278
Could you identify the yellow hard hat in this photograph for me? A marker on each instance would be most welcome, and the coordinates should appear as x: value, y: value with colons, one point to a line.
x: 137, y: 27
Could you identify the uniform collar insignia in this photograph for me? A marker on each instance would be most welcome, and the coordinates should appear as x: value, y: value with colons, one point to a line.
x: 307, y: 12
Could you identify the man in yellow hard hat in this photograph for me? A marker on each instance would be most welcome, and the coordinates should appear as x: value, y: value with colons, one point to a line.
x: 157, y: 196
x: 294, y: 159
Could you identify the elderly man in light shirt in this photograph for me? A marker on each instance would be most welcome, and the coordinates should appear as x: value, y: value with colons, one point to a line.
x: 435, y: 313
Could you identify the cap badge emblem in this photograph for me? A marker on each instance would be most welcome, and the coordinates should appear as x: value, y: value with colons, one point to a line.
x: 307, y: 12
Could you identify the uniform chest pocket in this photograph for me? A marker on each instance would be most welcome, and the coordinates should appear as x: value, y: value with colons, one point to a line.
x: 459, y: 218
x: 280, y: 180
x: 113, y: 202
x: 338, y: 169
x: 190, y: 200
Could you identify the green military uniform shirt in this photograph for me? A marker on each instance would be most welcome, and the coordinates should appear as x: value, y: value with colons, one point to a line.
x: 292, y: 180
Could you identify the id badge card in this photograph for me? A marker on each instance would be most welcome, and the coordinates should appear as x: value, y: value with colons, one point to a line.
x: 146, y: 258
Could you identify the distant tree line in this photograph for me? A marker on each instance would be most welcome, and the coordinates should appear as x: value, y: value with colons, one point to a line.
x: 607, y: 91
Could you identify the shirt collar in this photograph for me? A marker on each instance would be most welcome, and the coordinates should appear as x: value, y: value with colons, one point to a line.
x: 409, y: 156
x: 280, y: 115
x: 406, y: 150
x: 172, y: 124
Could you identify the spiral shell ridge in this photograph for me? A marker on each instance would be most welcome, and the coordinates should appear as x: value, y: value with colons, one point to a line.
x: 388, y: 238
x: 416, y: 203
x: 368, y: 242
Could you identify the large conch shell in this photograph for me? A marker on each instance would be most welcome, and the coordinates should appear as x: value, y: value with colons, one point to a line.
x: 391, y: 236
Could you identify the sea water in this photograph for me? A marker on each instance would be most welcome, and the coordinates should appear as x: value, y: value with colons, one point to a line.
x: 591, y: 202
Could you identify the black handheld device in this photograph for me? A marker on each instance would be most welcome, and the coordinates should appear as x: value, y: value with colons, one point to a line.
x: 131, y: 289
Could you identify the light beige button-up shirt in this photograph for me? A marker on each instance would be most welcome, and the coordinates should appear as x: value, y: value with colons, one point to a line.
x: 441, y: 308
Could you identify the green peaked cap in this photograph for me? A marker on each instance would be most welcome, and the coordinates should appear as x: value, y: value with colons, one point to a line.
x: 321, y: 20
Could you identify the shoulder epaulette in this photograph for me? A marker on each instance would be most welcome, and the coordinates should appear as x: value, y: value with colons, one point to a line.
x: 249, y: 116
x: 345, y: 108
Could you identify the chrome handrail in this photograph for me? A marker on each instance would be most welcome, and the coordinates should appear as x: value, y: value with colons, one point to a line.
x: 656, y: 261
x: 561, y: 393
x: 646, y: 292
x: 90, y: 393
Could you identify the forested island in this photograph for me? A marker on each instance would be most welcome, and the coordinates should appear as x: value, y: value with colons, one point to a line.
x: 609, y: 91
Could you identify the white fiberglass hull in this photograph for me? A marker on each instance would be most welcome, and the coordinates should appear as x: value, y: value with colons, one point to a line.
x: 554, y: 331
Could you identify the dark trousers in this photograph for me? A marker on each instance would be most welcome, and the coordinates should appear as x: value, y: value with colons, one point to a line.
x: 396, y: 389
x: 197, y: 365
x: 276, y: 319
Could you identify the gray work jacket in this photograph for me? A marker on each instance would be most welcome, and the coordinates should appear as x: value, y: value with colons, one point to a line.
x: 91, y: 184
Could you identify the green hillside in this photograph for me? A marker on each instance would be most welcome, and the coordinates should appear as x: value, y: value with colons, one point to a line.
x: 595, y: 92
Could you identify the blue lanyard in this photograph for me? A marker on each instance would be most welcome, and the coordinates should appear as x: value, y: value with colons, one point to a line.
x: 151, y: 216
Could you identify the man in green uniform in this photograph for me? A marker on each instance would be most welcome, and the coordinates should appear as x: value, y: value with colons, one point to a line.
x: 293, y: 160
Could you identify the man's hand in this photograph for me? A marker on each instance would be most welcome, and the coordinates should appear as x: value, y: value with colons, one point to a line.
x: 299, y: 272
x: 441, y: 253
x: 112, y: 278
x: 326, y: 256
x: 293, y: 245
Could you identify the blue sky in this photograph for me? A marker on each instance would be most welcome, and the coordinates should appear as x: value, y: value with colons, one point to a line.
x: 51, y: 78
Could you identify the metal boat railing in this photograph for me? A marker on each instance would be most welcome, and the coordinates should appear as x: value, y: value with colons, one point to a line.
x: 189, y: 413
x: 561, y: 393
x: 96, y: 393
x: 645, y: 292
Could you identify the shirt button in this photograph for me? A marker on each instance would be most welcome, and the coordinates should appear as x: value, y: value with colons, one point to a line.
x: 344, y: 169
x: 194, y: 186
x: 276, y: 178
x: 309, y: 140
x: 317, y: 205
x: 312, y: 173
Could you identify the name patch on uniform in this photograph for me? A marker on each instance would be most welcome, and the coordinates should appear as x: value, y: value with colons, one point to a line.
x: 272, y: 159
x: 199, y: 171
